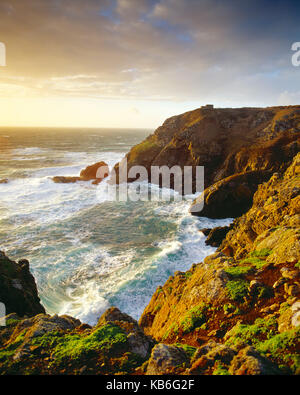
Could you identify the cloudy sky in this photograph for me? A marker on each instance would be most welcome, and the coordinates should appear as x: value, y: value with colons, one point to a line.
x: 132, y: 63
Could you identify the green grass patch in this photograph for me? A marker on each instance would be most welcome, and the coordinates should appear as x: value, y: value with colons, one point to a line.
x: 190, y: 350
x: 194, y: 318
x: 221, y: 371
x: 263, y: 253
x: 253, y: 334
x: 237, y: 289
x: 238, y: 271
x: 283, y: 348
x: 254, y: 261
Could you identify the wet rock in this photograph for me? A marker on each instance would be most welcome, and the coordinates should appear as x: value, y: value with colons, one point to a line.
x: 4, y: 181
x: 96, y: 172
x: 216, y: 235
x: 18, y: 289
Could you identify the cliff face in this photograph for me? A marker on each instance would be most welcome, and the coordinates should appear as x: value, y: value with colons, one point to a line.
x: 238, y: 312
x: 18, y: 289
x: 225, y: 141
x: 247, y: 293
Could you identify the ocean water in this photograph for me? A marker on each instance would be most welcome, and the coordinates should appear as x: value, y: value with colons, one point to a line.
x: 87, y: 252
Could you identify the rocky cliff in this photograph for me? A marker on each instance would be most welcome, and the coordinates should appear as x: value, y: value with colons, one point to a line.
x: 238, y: 312
x: 18, y: 289
x: 227, y: 142
x: 243, y: 300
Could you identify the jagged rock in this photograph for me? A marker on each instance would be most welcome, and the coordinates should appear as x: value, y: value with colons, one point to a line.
x: 18, y: 289
x: 229, y: 197
x: 201, y: 137
x: 138, y: 342
x: 165, y: 358
x: 96, y: 172
x: 207, y: 355
x: 216, y: 235
x: 4, y: 181
x: 44, y: 323
x: 290, y: 318
x: 289, y: 273
x: 263, y: 226
x: 292, y: 289
x: 249, y: 361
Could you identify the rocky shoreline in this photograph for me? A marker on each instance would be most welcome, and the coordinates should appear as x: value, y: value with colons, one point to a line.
x: 236, y: 313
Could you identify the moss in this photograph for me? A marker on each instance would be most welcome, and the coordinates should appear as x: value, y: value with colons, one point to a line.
x: 190, y: 350
x: 283, y: 348
x: 237, y: 271
x: 237, y: 289
x: 253, y: 334
x: 107, y: 338
x: 129, y: 362
x: 229, y: 308
x: 194, y: 318
x: 157, y: 308
x: 12, y: 322
x: 173, y: 329
x: 7, y: 353
x: 221, y: 371
x: 254, y: 261
x: 263, y: 253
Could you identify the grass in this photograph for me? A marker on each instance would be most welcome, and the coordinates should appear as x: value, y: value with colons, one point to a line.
x: 237, y: 271
x: 257, y: 258
x: 194, y: 318
x: 254, y: 261
x: 263, y: 253
x: 190, y: 350
x: 73, y: 346
x: 253, y: 334
x: 237, y: 289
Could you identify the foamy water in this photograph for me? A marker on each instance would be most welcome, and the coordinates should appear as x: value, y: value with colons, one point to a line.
x: 87, y: 252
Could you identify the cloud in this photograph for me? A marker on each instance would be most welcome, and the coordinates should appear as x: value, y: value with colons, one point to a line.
x: 206, y: 50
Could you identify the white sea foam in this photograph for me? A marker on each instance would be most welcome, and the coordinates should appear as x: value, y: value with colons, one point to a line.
x: 79, y: 270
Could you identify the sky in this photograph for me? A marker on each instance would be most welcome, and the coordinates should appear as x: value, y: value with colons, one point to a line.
x: 133, y: 63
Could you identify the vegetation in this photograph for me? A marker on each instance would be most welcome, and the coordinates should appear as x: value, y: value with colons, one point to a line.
x: 237, y: 289
x: 194, y: 318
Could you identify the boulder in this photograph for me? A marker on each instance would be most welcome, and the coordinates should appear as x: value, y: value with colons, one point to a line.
x: 138, y: 342
x: 165, y: 358
x: 249, y: 362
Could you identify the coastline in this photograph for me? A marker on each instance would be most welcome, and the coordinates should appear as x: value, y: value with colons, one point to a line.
x: 237, y: 312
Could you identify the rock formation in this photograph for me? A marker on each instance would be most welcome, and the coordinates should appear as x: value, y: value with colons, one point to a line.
x: 236, y: 313
x: 228, y: 143
x: 96, y: 172
x: 18, y: 290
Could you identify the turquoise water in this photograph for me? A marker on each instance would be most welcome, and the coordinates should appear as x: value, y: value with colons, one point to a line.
x: 85, y: 251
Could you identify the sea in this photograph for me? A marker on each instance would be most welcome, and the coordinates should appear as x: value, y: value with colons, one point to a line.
x: 87, y: 251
